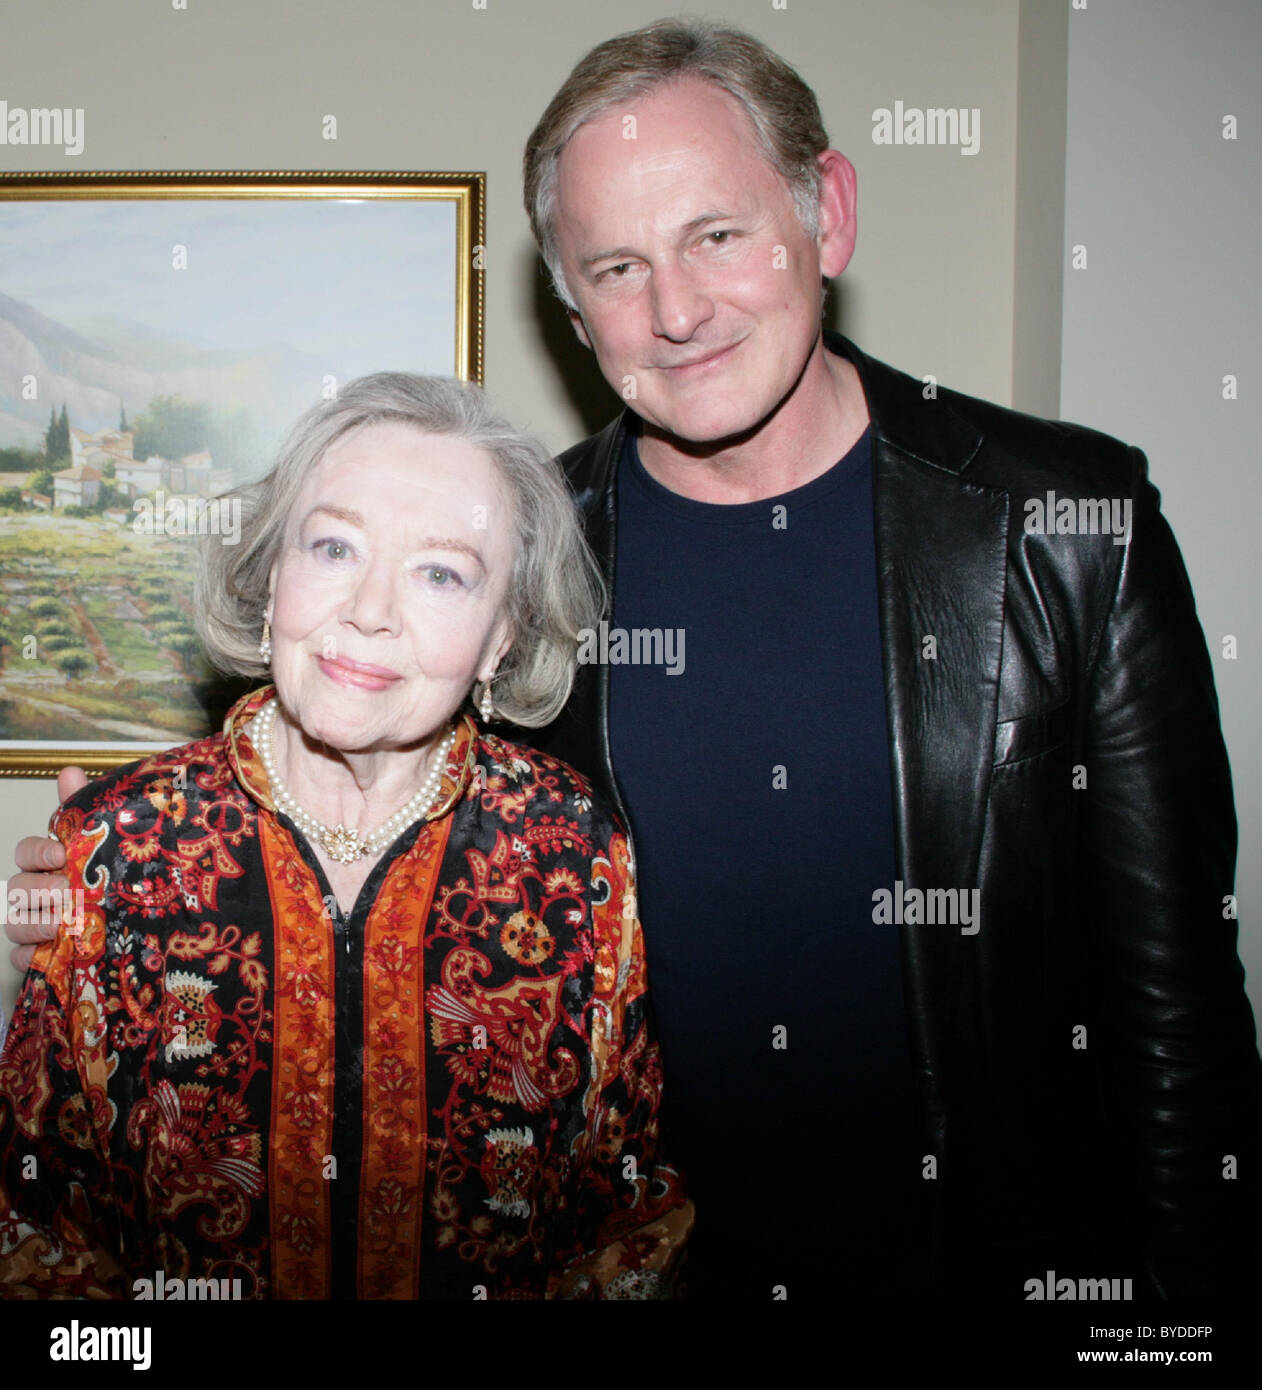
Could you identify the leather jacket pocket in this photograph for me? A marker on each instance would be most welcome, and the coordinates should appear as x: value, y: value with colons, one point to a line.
x: 1030, y: 735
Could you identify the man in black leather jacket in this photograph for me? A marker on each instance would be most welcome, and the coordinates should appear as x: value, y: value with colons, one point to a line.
x: 1107, y: 906
x: 1084, y: 1058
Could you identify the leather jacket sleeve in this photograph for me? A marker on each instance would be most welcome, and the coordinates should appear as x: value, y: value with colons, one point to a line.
x: 1181, y: 1070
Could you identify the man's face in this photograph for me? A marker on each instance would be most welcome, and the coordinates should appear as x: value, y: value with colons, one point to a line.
x: 697, y: 286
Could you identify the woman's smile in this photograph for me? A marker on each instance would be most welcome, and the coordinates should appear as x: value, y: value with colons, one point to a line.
x: 361, y: 675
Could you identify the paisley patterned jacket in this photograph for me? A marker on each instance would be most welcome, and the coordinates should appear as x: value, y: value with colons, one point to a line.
x: 453, y: 1092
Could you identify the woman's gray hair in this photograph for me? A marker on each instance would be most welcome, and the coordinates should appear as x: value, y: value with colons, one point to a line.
x: 556, y: 588
x: 783, y: 109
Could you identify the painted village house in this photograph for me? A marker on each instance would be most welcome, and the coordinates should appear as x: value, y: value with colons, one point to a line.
x: 77, y: 487
x: 194, y: 474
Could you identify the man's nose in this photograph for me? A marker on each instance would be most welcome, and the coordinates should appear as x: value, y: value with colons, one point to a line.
x: 680, y: 306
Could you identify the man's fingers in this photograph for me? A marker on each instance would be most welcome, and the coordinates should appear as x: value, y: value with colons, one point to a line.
x: 39, y: 853
x: 22, y: 956
x: 36, y: 901
x: 35, y: 907
x: 69, y: 781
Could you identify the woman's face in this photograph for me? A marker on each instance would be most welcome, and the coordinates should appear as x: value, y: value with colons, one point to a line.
x: 388, y: 596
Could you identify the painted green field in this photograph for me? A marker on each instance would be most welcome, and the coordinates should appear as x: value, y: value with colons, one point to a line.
x: 98, y: 633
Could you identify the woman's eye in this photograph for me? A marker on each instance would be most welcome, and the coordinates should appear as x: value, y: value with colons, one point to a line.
x: 441, y: 577
x: 332, y: 550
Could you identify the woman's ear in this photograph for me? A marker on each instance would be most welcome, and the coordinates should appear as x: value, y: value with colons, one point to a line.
x: 503, y: 645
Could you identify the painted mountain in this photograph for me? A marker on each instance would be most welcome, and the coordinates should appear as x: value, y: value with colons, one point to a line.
x: 124, y: 366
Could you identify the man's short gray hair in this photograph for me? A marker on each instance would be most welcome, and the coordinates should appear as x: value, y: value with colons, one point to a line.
x: 555, y: 590
x: 782, y: 108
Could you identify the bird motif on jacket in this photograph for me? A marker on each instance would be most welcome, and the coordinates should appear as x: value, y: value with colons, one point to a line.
x: 506, y: 1027
x: 200, y: 1149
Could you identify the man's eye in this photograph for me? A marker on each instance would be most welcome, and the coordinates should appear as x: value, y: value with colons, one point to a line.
x: 615, y: 270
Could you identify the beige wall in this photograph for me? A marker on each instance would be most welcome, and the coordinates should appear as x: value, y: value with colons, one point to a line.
x: 440, y: 84
x: 1167, y: 305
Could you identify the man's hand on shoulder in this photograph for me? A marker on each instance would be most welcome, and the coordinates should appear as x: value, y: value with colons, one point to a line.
x: 32, y: 916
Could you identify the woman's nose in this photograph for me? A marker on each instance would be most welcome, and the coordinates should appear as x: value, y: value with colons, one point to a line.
x: 374, y: 605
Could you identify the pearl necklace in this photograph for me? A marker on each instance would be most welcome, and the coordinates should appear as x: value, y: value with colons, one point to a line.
x: 340, y: 843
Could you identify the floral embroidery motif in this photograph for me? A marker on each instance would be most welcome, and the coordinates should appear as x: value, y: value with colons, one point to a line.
x: 191, y: 1017
x: 526, y: 939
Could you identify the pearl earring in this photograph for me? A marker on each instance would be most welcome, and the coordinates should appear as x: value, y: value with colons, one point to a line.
x: 485, y: 708
x: 265, y: 646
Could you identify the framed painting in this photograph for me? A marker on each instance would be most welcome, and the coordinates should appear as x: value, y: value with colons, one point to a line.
x: 159, y: 334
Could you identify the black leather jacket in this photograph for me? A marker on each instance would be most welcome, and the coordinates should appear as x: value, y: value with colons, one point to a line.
x: 1086, y: 1063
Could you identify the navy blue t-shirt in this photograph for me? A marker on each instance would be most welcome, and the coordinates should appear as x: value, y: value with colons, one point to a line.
x: 757, y: 780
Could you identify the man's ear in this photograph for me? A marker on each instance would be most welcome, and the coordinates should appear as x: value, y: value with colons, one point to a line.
x: 576, y: 320
x: 838, y: 202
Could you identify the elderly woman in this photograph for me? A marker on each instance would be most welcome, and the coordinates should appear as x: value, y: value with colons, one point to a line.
x: 355, y: 1003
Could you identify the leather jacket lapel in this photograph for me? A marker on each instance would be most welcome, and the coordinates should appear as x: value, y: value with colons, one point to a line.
x: 941, y: 549
x: 941, y: 553
x: 587, y: 712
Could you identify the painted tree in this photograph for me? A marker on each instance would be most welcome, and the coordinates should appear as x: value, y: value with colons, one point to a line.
x: 57, y: 438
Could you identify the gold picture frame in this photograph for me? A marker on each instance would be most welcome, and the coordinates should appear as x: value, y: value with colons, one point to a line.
x: 220, y: 301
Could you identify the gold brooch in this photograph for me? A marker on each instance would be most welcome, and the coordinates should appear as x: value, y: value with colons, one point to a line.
x: 343, y: 845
